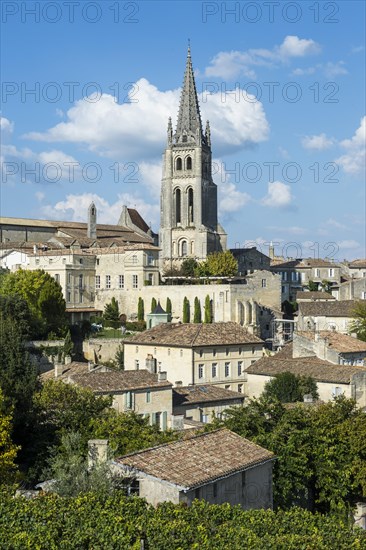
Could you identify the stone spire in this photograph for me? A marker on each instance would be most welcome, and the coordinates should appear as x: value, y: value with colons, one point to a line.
x: 189, y: 118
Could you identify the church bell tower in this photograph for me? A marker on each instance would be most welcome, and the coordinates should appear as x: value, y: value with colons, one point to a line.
x: 188, y: 226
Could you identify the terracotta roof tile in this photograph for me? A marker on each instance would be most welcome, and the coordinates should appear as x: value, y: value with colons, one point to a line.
x: 119, y: 381
x: 343, y: 343
x: 199, y: 394
x: 195, y: 335
x: 302, y: 295
x: 321, y: 371
x: 198, y: 460
x: 335, y: 308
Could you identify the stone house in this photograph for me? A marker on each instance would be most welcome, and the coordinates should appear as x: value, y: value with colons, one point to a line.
x: 142, y: 392
x: 332, y: 379
x: 217, y: 353
x: 353, y: 289
x: 357, y: 268
x: 331, y: 315
x: 296, y: 274
x: 200, y: 403
x: 313, y: 296
x: 340, y: 349
x: 250, y: 259
x: 218, y: 466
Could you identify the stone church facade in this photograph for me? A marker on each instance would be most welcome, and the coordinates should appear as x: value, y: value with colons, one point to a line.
x: 189, y: 225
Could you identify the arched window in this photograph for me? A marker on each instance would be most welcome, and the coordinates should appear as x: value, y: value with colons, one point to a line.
x: 190, y: 205
x: 192, y: 248
x: 184, y: 248
x: 189, y: 163
x: 178, y: 164
x: 177, y: 206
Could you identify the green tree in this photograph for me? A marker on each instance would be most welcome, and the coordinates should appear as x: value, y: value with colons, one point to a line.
x: 16, y: 308
x: 43, y: 296
x: 111, y: 312
x: 208, y: 310
x: 358, y: 325
x: 218, y: 264
x: 168, y: 307
x: 313, y: 287
x: 197, y: 317
x: 188, y: 267
x: 326, y: 286
x: 68, y: 346
x: 18, y: 375
x: 289, y: 388
x: 140, y: 310
x: 68, y: 466
x: 153, y: 305
x: 120, y: 358
x: 128, y: 432
x: 8, y: 450
x: 186, y: 312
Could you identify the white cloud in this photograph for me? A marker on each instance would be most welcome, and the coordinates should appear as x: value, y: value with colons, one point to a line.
x: 44, y: 167
x: 75, y: 208
x: 230, y: 199
x: 293, y: 46
x: 229, y: 65
x: 318, y: 143
x: 292, y: 229
x: 354, y: 160
x: 350, y: 243
x: 301, y: 72
x: 137, y: 130
x: 278, y: 195
x: 331, y: 70
x: 6, y: 125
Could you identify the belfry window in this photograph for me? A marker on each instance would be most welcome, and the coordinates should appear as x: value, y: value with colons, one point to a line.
x: 177, y: 206
x: 184, y: 248
x: 190, y: 205
x: 189, y: 163
x: 178, y: 164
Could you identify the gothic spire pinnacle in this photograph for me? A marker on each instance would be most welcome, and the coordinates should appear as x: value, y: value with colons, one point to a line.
x: 189, y: 118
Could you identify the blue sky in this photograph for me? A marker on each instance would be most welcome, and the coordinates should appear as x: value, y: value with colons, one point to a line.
x: 283, y: 84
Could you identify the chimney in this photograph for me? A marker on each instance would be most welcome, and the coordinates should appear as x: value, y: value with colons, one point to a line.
x: 92, y: 222
x: 162, y: 375
x: 97, y: 452
x: 90, y: 366
x: 308, y: 398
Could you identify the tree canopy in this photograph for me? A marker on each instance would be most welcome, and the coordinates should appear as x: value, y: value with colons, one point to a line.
x: 289, y: 388
x: 43, y: 296
x: 218, y: 264
x: 358, y: 325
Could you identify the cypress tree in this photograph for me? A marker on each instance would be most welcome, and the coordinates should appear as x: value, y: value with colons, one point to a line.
x: 208, y: 313
x: 140, y: 310
x: 197, y: 318
x: 186, y: 310
x: 168, y: 308
x: 153, y: 304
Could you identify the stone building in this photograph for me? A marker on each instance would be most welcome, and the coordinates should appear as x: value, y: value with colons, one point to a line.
x: 218, y: 466
x: 330, y: 315
x: 188, y: 225
x: 217, y: 353
x: 200, y: 403
x: 332, y: 379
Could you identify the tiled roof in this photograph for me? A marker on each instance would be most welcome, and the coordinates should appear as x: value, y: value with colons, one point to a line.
x: 357, y: 263
x: 335, y: 308
x: 193, y: 462
x: 300, y: 295
x: 75, y: 367
x: 342, y: 343
x: 184, y: 395
x: 301, y: 263
x: 138, y: 220
x: 320, y: 370
x: 119, y: 381
x: 195, y: 335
